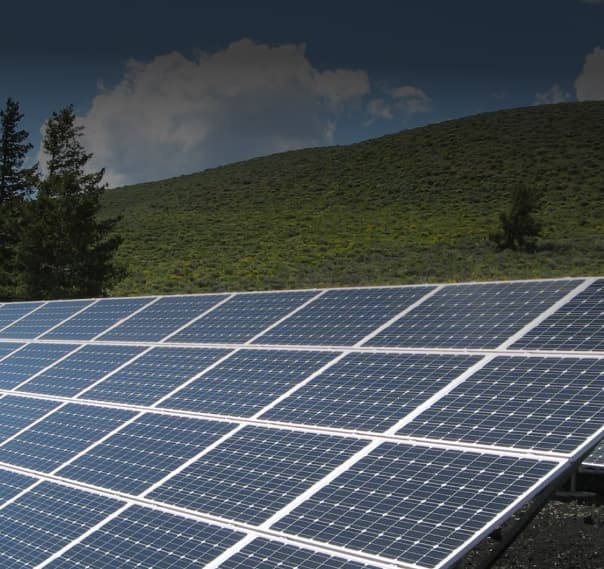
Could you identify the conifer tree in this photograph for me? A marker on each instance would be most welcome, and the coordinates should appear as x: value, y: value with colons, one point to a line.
x: 66, y: 251
x: 15, y: 184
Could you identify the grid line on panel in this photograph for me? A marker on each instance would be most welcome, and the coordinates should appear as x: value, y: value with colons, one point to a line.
x: 126, y: 318
x: 542, y: 404
x: 39, y: 321
x: 160, y: 318
x: 8, y: 308
x: 545, y: 314
x: 242, y: 317
x: 578, y: 325
x: 416, y: 505
x: 97, y: 318
x: 473, y: 315
x: 77, y: 313
x: 50, y: 515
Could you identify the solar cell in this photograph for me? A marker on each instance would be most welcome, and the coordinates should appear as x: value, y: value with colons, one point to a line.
x: 80, y: 370
x: 49, y: 315
x: 144, y: 538
x: 247, y: 381
x: 45, y: 519
x: 14, y: 310
x: 343, y: 317
x: 242, y: 317
x: 255, y: 472
x: 21, y: 365
x: 96, y: 319
x: 47, y: 444
x: 8, y: 347
x: 153, y: 375
x: 162, y: 317
x: 550, y: 404
x: 414, y: 504
x: 269, y: 554
x: 18, y: 412
x: 144, y: 451
x: 578, y: 325
x: 369, y: 391
x: 473, y: 315
x: 11, y: 483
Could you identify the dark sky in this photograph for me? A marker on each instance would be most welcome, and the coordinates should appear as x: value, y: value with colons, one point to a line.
x: 174, y: 87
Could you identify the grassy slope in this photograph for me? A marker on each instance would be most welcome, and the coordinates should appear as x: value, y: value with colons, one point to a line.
x: 411, y: 207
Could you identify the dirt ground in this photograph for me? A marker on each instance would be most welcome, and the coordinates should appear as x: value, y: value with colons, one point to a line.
x: 564, y: 535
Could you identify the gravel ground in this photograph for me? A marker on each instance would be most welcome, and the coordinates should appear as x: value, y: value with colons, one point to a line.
x: 564, y: 535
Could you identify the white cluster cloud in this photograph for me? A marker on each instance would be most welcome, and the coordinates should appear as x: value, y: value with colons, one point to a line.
x: 175, y: 114
x: 411, y: 99
x: 589, y: 86
x: 553, y: 95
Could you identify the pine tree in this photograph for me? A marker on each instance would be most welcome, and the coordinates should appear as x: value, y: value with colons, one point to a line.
x: 15, y: 185
x: 66, y: 251
x: 518, y: 226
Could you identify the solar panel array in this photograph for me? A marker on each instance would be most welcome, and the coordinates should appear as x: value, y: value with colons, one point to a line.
x: 333, y: 428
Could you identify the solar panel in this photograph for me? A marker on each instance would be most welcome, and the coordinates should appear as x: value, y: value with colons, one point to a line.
x: 596, y: 458
x: 11, y: 312
x: 144, y: 451
x: 242, y: 317
x: 144, y: 538
x: 341, y: 429
x: 473, y: 315
x: 275, y: 555
x: 43, y: 319
x: 370, y: 391
x: 575, y: 326
x: 255, y: 472
x: 549, y: 404
x: 60, y: 436
x: 343, y: 317
x: 80, y: 370
x: 246, y: 382
x: 45, y: 519
x: 96, y: 319
x: 33, y: 358
x: 155, y: 374
x: 414, y: 504
x: 161, y: 318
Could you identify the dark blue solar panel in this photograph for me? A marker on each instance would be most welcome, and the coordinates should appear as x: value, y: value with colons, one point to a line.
x: 18, y: 412
x: 61, y: 435
x: 242, y: 317
x: 473, y: 315
x: 414, y: 504
x: 276, y: 555
x: 144, y: 451
x: 8, y: 347
x: 44, y: 318
x: 97, y: 318
x: 369, y: 391
x: 162, y: 317
x: 534, y: 403
x: 45, y: 519
x: 153, y: 375
x: 141, y: 538
x: 578, y: 325
x: 256, y: 472
x: 247, y: 381
x: 21, y: 365
x: 80, y: 370
x: 596, y: 458
x: 15, y: 310
x: 11, y: 483
x: 343, y: 317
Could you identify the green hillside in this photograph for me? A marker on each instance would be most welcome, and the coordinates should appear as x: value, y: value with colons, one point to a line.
x: 412, y: 207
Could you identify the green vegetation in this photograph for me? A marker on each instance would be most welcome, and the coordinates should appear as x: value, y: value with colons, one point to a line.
x: 417, y: 206
x: 519, y: 228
